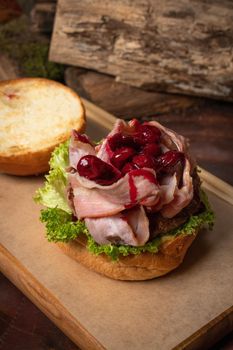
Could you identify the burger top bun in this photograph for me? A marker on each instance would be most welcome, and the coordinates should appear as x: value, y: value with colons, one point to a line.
x: 143, y: 266
x: 36, y: 115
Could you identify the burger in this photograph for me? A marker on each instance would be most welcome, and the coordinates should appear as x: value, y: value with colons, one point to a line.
x: 127, y: 207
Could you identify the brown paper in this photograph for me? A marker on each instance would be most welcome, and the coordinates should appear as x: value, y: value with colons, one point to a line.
x: 156, y: 314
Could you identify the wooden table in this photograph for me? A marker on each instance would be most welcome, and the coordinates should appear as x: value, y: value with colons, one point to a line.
x: 209, y: 126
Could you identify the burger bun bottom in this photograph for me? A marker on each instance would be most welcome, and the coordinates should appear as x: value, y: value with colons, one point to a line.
x: 143, y: 266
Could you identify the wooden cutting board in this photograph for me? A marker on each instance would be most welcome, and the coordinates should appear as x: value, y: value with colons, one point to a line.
x: 186, y: 309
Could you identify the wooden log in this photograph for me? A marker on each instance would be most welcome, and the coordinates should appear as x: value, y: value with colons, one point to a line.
x: 42, y: 16
x: 183, y: 47
x: 125, y: 101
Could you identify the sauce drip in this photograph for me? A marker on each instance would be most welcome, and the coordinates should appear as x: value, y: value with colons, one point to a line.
x: 132, y: 187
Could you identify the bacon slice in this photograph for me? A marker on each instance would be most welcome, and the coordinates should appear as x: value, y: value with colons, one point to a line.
x: 87, y: 194
x: 78, y: 149
x: 129, y: 229
x: 170, y: 137
x: 182, y: 196
x: 139, y: 223
x: 115, y: 213
x: 91, y: 203
x: 104, y: 152
x: 167, y: 192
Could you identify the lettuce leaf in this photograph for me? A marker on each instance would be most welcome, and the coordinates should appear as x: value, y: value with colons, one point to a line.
x: 53, y: 193
x: 195, y: 221
x: 60, y: 157
x: 60, y: 226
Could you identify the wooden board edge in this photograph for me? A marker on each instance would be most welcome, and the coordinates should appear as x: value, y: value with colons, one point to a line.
x: 99, y: 115
x: 211, y: 182
x: 209, y: 334
x: 219, y: 187
x: 45, y: 301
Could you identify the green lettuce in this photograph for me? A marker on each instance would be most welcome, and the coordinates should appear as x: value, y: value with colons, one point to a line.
x: 53, y: 193
x: 195, y: 221
x: 61, y: 228
x: 59, y: 225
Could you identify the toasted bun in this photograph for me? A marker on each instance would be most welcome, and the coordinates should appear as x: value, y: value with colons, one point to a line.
x: 36, y: 115
x: 143, y: 266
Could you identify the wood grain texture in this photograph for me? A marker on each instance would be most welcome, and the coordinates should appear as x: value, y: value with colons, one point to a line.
x: 201, y: 338
x: 45, y: 300
x: 123, y: 100
x: 206, y: 123
x: 102, y: 291
x: 23, y: 326
x: 183, y: 47
x: 22, y: 278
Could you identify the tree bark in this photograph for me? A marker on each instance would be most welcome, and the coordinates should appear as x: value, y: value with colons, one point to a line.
x: 183, y: 46
x: 125, y: 101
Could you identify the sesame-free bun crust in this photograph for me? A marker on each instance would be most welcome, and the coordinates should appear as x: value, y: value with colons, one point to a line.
x: 143, y: 266
x: 36, y: 115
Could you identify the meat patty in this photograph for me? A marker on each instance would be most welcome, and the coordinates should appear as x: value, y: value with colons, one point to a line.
x: 160, y: 225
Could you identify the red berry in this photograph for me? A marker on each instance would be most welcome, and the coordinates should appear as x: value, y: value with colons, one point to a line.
x: 144, y: 161
x: 135, y: 124
x: 119, y: 140
x: 95, y: 169
x: 152, y: 149
x: 167, y: 161
x: 121, y: 156
x: 147, y: 134
x: 128, y: 167
x: 81, y: 137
